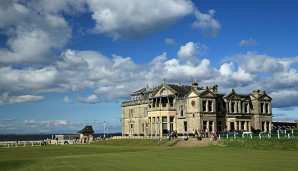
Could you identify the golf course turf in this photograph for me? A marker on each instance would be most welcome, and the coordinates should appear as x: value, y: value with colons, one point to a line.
x: 143, y: 155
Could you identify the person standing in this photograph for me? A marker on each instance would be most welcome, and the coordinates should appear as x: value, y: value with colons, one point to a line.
x: 206, y: 133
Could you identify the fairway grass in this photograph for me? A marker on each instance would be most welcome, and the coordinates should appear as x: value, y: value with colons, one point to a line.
x: 143, y: 155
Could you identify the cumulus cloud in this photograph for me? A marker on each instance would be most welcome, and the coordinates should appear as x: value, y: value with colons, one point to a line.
x: 248, y: 42
x: 67, y: 100
x: 36, y: 32
x: 191, y: 50
x: 6, y: 99
x: 170, y: 41
x: 284, y: 98
x: 29, y: 26
x: 139, y: 17
x: 206, y: 23
x: 113, y: 78
x: 28, y: 79
x: 92, y: 99
x: 255, y: 63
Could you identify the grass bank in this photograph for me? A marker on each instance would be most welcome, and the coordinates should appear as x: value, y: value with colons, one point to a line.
x: 262, y: 144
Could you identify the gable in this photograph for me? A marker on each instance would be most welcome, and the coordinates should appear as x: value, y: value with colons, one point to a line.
x: 232, y: 95
x: 164, y: 91
x: 265, y: 97
x: 207, y: 93
x: 192, y: 94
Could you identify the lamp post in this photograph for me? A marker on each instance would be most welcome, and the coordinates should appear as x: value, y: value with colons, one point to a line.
x: 160, y: 123
x: 104, y: 129
x: 201, y: 122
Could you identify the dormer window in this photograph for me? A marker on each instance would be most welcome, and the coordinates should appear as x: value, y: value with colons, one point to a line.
x: 233, y: 107
x: 246, y: 108
x: 204, y: 105
x: 210, y: 106
x: 182, y: 112
x: 262, y: 107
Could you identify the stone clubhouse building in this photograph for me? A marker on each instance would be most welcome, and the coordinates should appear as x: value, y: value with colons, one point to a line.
x: 184, y: 108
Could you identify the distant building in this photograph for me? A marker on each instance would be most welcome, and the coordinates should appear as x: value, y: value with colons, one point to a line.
x: 285, y: 124
x: 86, y: 132
x: 169, y: 107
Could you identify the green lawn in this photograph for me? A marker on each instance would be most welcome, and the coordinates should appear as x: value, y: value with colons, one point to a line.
x: 143, y: 155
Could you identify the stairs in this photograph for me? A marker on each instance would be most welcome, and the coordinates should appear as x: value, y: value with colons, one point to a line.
x: 193, y: 142
x: 172, y: 142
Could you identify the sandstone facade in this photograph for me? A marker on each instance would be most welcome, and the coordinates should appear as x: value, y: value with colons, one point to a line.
x: 184, y: 108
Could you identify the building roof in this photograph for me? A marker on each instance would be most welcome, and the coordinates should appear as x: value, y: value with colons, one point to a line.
x: 86, y: 129
x: 142, y: 90
x: 180, y: 89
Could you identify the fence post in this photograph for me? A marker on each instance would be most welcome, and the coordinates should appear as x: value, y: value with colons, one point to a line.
x: 234, y: 135
x: 250, y: 136
x: 260, y: 136
x: 227, y: 136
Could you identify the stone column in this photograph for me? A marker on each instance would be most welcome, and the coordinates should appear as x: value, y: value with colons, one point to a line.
x: 236, y: 125
x: 160, y: 127
x: 265, y: 126
x: 249, y: 126
x: 207, y: 105
x: 168, y: 103
x: 230, y: 106
x: 240, y: 125
x: 207, y: 125
x: 175, y: 123
x: 270, y: 109
x: 213, y: 126
x: 150, y: 125
x: 269, y: 126
x: 168, y: 122
x: 154, y: 125
x: 245, y: 126
x: 160, y: 104
x: 228, y: 125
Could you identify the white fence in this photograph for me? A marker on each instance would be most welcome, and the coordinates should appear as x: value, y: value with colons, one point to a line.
x: 20, y: 143
x: 9, y: 144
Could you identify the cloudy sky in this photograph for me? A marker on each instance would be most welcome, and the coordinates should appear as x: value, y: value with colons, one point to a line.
x: 65, y: 64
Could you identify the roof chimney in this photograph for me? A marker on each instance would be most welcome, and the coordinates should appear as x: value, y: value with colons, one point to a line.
x: 194, y: 84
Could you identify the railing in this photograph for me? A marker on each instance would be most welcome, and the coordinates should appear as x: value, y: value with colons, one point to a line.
x: 259, y: 136
x: 135, y: 102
